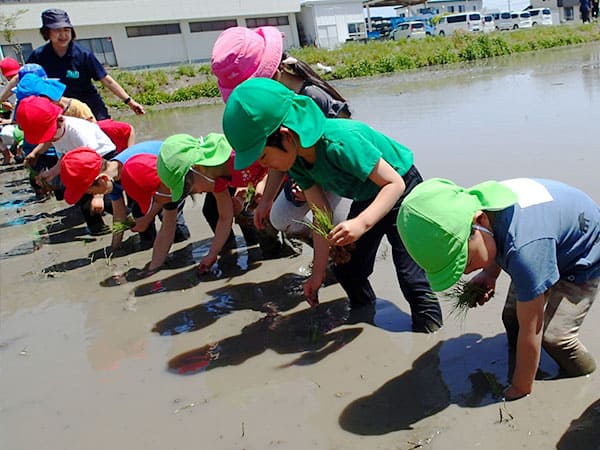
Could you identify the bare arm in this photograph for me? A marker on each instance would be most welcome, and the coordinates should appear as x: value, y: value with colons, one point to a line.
x: 392, y: 186
x: 272, y: 187
x: 34, y: 154
x: 530, y: 315
x: 316, y: 197
x: 223, y: 228
x: 164, y: 239
x: 116, y: 89
x: 7, y: 90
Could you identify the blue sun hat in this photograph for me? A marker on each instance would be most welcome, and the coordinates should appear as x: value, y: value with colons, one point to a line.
x: 32, y: 84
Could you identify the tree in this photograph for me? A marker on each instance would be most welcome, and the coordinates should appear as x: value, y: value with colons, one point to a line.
x: 8, y: 24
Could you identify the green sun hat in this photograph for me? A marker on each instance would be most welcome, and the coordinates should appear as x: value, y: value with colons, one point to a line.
x: 434, y: 222
x: 181, y: 151
x: 258, y: 107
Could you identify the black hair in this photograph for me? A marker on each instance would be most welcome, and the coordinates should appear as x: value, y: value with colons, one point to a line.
x: 304, y: 71
x: 45, y: 32
x: 274, y: 140
x: 188, y: 182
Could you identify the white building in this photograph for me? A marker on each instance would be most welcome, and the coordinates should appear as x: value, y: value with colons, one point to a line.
x: 455, y: 6
x: 329, y: 23
x: 140, y: 33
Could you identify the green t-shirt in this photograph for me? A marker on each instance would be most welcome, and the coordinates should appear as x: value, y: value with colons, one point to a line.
x: 346, y: 154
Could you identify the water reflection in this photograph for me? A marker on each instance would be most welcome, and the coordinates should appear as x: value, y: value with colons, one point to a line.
x: 229, y: 265
x: 310, y: 332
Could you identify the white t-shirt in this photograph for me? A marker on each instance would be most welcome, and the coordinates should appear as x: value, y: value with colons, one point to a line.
x: 82, y: 133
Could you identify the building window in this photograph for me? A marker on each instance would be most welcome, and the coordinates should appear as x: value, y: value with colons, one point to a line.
x: 450, y: 9
x: 102, y: 48
x: 153, y: 30
x: 267, y: 21
x: 213, y: 25
x: 10, y: 50
x: 461, y: 8
x: 356, y: 30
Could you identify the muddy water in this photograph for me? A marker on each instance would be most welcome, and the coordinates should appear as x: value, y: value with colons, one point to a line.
x: 234, y: 359
x: 532, y: 114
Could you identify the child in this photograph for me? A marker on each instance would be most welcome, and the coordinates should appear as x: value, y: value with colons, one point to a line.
x: 240, y: 53
x: 544, y: 234
x: 121, y: 134
x: 270, y: 124
x: 188, y: 165
x: 43, y: 123
x: 84, y: 171
x: 32, y: 84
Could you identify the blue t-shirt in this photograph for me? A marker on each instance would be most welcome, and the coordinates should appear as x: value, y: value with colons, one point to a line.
x: 553, y: 232
x: 76, y: 70
x: 148, y: 147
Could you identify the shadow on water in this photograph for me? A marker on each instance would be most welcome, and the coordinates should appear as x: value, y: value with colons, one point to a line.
x: 281, y: 294
x: 461, y: 371
x: 311, y: 333
x: 584, y: 432
x: 229, y: 265
x: 62, y: 228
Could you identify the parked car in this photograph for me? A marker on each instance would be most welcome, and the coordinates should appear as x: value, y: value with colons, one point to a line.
x: 470, y: 21
x: 540, y: 16
x: 414, y: 30
x: 504, y: 21
x: 520, y: 19
x: 489, y: 24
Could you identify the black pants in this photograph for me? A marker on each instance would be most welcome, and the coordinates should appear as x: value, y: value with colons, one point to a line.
x: 211, y: 214
x: 354, y: 276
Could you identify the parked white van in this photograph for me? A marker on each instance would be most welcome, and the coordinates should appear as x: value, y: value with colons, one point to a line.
x: 489, y: 24
x: 504, y: 21
x: 540, y: 16
x: 405, y: 30
x: 469, y: 21
x: 520, y: 19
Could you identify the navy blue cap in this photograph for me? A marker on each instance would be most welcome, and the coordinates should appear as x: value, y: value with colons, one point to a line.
x: 56, y: 18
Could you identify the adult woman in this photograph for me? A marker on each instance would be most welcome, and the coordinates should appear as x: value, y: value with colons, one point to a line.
x: 74, y: 65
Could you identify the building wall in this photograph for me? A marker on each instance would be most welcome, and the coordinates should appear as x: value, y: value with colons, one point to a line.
x: 446, y: 6
x: 326, y: 23
x: 98, y: 19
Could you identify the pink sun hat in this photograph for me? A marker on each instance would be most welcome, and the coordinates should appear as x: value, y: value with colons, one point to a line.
x: 240, y: 53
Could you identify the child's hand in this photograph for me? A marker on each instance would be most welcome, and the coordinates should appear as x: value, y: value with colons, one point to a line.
x: 30, y: 160
x: 512, y: 393
x: 298, y: 193
x: 261, y: 214
x: 346, y: 232
x: 141, y: 224
x: 487, y: 282
x: 97, y: 204
x: 206, y: 263
x: 311, y: 289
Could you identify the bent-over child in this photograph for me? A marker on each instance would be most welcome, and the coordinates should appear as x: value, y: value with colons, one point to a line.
x: 268, y: 123
x: 543, y: 233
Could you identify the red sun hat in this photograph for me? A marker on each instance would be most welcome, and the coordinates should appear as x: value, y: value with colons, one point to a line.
x: 140, y: 180
x: 9, y: 67
x: 37, y: 117
x: 78, y: 170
